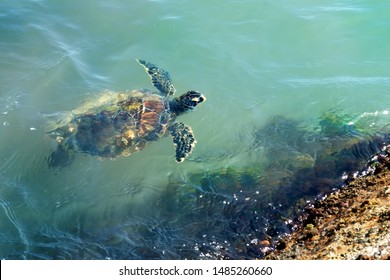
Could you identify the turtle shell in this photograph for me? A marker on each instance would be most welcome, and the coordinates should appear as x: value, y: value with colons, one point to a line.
x: 117, y: 124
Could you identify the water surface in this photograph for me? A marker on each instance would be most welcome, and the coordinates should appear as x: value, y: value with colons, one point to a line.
x: 254, y: 60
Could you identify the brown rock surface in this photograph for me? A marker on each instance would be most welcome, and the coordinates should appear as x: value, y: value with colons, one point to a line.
x: 350, y: 223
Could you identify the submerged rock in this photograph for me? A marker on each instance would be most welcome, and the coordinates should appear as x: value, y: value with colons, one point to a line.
x: 240, y: 212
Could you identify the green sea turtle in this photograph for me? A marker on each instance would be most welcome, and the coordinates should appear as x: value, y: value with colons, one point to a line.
x: 121, y: 123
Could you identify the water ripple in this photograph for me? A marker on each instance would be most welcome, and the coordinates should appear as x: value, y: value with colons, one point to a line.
x: 7, y: 206
x: 338, y: 80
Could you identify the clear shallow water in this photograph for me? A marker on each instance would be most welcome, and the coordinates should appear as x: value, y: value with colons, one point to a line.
x: 252, y: 59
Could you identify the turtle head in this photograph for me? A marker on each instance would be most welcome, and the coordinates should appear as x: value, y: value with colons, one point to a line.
x: 186, y: 102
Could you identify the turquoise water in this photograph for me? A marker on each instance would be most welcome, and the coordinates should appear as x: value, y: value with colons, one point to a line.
x: 253, y: 60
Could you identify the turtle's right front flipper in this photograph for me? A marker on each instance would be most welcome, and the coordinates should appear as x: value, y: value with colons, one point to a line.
x: 184, y: 140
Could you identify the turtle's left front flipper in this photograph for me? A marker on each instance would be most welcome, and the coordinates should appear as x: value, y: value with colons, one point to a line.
x: 159, y: 77
x: 184, y: 140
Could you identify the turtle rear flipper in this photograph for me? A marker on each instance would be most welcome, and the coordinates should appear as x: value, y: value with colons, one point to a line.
x: 160, y: 78
x: 184, y: 140
x: 60, y: 158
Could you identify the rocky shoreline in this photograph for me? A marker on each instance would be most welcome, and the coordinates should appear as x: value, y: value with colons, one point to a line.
x: 348, y: 224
